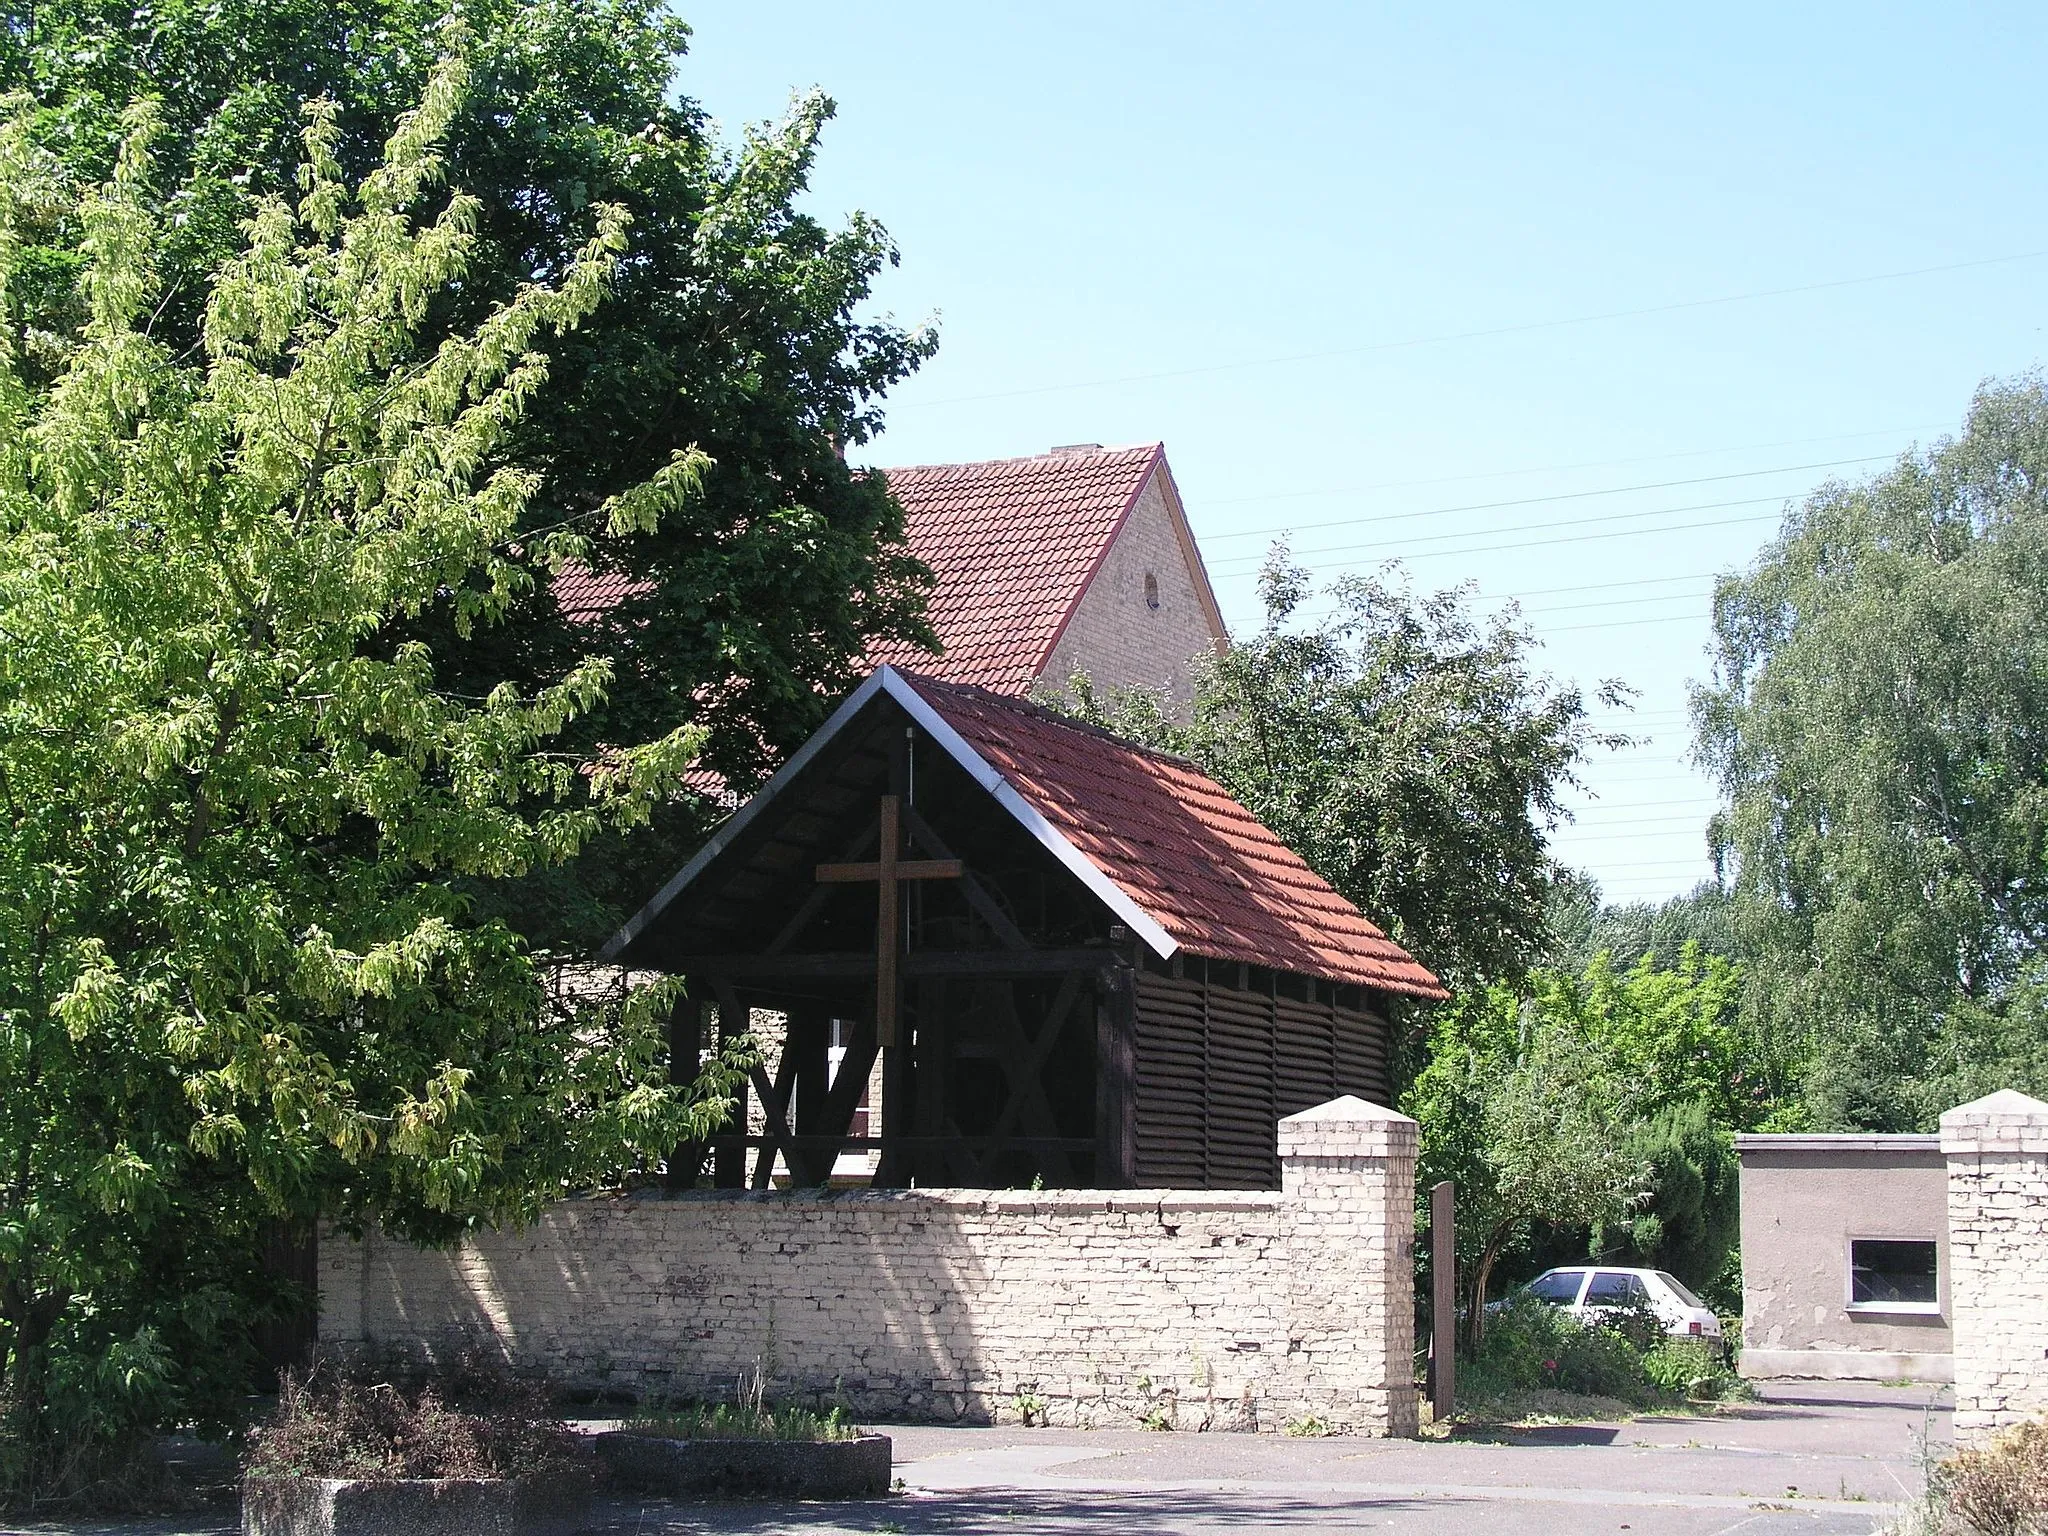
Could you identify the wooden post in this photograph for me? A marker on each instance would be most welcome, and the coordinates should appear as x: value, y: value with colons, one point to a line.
x: 1443, y: 1311
x: 1116, y: 1142
x: 729, y: 1164
x: 889, y: 1170
x: 888, y: 912
x: 685, y: 1041
x: 888, y: 870
x: 807, y: 1044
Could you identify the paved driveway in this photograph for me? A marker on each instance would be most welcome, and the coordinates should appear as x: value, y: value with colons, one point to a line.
x: 1816, y: 1458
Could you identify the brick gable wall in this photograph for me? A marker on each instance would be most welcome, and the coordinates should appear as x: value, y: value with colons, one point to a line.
x: 1114, y: 636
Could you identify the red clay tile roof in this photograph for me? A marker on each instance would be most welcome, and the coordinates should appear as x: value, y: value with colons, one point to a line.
x: 1194, y: 859
x: 584, y: 594
x: 1013, y: 543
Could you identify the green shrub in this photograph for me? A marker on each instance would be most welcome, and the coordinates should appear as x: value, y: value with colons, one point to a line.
x: 1531, y: 1345
x: 86, y: 1438
x: 742, y: 1421
x: 1599, y: 1361
x: 1525, y: 1341
x: 1691, y: 1368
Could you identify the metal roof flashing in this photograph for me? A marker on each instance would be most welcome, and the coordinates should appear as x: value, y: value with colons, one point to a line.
x: 887, y: 679
x: 1106, y: 890
x: 1853, y: 1141
x: 741, y: 819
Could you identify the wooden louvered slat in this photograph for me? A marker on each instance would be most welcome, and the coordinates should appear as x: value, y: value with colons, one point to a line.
x: 1219, y: 1065
x: 1172, y: 1076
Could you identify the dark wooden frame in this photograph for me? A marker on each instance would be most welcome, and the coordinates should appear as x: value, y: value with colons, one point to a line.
x: 1039, y: 1040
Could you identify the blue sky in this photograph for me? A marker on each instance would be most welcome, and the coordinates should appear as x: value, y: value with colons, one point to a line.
x: 1445, y: 284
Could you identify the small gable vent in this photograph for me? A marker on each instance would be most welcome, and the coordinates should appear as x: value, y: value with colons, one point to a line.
x: 1151, y: 590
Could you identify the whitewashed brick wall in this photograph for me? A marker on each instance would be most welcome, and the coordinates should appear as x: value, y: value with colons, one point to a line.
x: 1224, y: 1310
x: 1997, y: 1152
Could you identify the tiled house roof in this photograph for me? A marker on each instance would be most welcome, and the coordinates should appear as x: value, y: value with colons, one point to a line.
x: 1013, y: 543
x: 1198, y: 863
x: 585, y: 595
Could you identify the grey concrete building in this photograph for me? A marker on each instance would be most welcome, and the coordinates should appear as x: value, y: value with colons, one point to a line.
x: 1845, y: 1269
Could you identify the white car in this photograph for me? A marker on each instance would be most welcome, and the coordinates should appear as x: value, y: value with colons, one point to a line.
x: 1586, y: 1291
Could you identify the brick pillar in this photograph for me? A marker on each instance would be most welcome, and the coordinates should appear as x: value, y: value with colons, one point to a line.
x: 1347, y: 1180
x: 1997, y: 1151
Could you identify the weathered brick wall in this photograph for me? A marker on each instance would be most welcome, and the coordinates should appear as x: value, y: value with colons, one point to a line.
x: 1234, y: 1310
x: 1997, y: 1151
x: 1115, y: 636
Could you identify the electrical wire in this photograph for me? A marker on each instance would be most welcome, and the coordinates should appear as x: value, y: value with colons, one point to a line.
x: 1531, y: 501
x: 1563, y: 522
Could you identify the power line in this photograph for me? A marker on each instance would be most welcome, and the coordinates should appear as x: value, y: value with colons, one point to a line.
x: 1662, y: 618
x: 1615, y: 602
x: 1688, y: 833
x: 1324, y: 605
x: 1633, y: 805
x: 1321, y: 606
x: 1562, y: 522
x: 1565, y: 469
x: 1661, y: 863
x: 1582, y: 538
x: 1597, y: 825
x: 1531, y: 501
x: 1475, y: 335
x: 1653, y: 779
x: 1602, y: 586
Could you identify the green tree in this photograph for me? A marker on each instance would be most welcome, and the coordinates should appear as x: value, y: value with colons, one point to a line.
x: 1666, y: 1069
x: 239, y: 980
x: 1584, y: 924
x: 1879, y: 724
x: 1518, y: 1109
x: 1691, y: 1217
x: 736, y: 331
x: 1673, y: 1034
x: 1407, y: 752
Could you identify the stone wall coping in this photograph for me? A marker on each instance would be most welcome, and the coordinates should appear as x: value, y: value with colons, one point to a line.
x: 1049, y: 1202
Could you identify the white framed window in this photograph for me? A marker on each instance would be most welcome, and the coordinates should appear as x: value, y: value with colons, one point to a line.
x: 1895, y: 1275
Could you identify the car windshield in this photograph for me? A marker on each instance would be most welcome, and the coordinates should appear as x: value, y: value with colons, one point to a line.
x: 1673, y: 1284
x: 1560, y: 1285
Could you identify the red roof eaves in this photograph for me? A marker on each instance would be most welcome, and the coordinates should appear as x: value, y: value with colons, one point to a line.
x: 1172, y: 842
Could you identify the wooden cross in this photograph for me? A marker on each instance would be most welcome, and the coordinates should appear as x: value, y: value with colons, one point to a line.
x: 886, y: 871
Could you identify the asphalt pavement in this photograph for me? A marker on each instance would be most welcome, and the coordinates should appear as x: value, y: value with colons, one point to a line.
x: 1815, y: 1458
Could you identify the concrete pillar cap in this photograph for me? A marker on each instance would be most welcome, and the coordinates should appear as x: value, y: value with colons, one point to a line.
x: 1352, y: 1108
x: 2005, y: 1121
x: 1346, y: 1127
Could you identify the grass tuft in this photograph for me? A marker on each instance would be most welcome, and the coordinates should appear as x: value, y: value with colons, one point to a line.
x: 742, y: 1421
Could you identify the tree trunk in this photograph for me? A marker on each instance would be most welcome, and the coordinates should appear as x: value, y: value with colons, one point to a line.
x: 25, y: 1370
x: 1482, y: 1272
